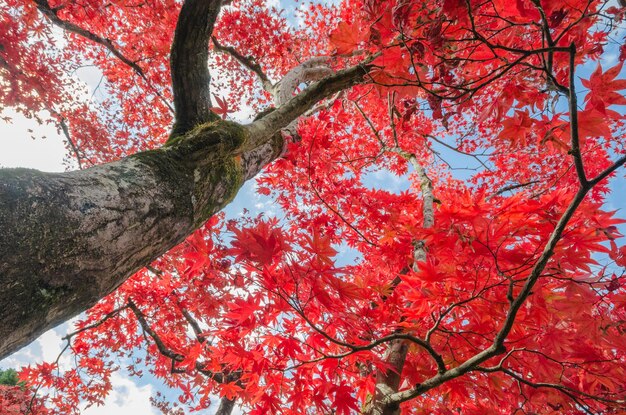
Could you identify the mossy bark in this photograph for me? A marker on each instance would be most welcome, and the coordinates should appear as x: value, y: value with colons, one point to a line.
x: 69, y: 239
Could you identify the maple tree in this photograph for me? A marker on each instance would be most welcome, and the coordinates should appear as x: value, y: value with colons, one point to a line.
x: 496, y: 291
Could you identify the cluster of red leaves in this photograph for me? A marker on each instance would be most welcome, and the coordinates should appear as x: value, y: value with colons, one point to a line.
x: 15, y: 400
x: 285, y: 315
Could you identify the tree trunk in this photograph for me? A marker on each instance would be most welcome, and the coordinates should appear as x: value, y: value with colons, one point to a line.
x: 69, y: 239
x: 388, y: 381
x: 226, y: 406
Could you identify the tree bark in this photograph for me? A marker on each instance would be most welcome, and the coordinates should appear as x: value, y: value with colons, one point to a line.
x: 226, y: 406
x: 189, y: 64
x: 69, y: 239
x: 388, y: 381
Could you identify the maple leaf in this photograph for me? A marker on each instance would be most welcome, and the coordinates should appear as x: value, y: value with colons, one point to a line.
x: 222, y: 108
x: 517, y: 128
x: 241, y: 313
x: 189, y: 362
x: 229, y: 390
x: 321, y: 246
x: 260, y: 244
x: 344, y: 402
x: 618, y: 254
x: 346, y: 37
x: 593, y: 124
x: 603, y: 88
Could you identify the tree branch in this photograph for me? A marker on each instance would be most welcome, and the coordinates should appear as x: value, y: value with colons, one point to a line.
x: 573, y: 114
x: 44, y: 7
x: 514, y: 187
x: 608, y: 171
x: 264, y: 128
x: 69, y: 239
x: 189, y: 64
x: 226, y: 406
x: 72, y: 238
x: 570, y: 392
x: 246, y: 61
x: 219, y: 377
x: 193, y: 323
x: 115, y: 312
x: 388, y: 381
x: 163, y: 349
x: 497, y: 346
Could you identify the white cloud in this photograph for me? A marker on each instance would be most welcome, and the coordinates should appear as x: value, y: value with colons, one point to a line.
x: 125, y: 398
x: 46, y: 348
x: 51, y: 345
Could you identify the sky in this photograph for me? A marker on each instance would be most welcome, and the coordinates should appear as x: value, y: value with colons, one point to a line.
x: 130, y: 395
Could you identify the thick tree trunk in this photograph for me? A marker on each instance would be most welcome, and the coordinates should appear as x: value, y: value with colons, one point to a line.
x: 67, y: 240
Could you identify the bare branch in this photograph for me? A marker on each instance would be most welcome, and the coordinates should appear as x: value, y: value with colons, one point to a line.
x: 515, y: 186
x: 246, y: 61
x: 194, y: 324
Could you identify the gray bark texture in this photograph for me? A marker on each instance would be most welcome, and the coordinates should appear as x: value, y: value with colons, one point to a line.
x: 69, y: 239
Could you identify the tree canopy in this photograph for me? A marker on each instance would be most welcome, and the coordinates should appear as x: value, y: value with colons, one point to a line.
x: 495, y: 289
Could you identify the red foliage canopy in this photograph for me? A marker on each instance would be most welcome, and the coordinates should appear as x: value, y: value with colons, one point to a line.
x: 497, y: 290
x: 15, y: 400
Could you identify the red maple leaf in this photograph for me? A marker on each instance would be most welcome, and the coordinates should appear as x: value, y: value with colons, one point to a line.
x: 189, y: 362
x: 259, y: 244
x: 346, y: 37
x: 603, y: 88
x: 229, y: 390
x: 344, y: 402
x: 222, y: 107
